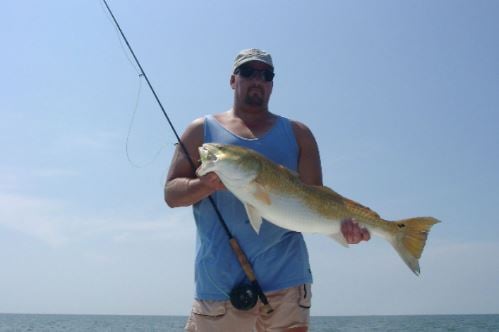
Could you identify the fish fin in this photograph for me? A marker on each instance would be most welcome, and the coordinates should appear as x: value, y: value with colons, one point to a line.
x: 410, y: 239
x: 339, y: 238
x: 350, y: 204
x: 290, y: 171
x: 262, y: 195
x: 254, y: 217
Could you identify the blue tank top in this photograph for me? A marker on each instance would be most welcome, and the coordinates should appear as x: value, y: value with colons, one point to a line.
x: 279, y: 257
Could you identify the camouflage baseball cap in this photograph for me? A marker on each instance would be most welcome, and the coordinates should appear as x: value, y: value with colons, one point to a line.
x: 252, y: 54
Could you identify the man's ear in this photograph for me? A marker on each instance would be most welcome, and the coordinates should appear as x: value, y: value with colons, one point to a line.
x: 232, y: 81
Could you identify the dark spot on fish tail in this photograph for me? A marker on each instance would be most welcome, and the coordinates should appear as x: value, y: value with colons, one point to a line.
x: 401, y: 225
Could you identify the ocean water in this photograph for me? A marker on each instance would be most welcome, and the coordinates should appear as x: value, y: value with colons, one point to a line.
x: 58, y: 323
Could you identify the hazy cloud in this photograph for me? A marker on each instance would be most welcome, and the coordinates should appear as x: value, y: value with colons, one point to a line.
x: 51, y: 222
x: 33, y: 216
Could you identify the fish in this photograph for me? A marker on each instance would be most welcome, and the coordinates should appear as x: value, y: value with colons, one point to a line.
x: 274, y: 193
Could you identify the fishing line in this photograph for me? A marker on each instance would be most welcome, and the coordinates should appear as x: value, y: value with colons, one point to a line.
x: 129, y: 133
x: 224, y: 292
x: 121, y: 41
x: 137, y: 99
x: 246, y: 293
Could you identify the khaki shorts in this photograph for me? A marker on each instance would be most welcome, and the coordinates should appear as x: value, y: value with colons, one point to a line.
x: 291, y: 309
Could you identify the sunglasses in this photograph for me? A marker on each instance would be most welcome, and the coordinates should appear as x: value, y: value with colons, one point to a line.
x: 248, y: 72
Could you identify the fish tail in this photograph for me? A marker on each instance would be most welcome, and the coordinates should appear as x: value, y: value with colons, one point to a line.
x: 410, y: 239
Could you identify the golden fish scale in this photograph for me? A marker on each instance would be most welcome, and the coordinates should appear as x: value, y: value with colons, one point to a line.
x: 322, y: 200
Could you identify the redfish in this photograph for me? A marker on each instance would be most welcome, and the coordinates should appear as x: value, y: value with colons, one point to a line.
x: 272, y: 192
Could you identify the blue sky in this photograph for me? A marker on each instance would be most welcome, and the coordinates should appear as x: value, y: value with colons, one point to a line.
x: 402, y: 97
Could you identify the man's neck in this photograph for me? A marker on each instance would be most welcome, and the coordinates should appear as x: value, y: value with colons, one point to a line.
x: 251, y: 115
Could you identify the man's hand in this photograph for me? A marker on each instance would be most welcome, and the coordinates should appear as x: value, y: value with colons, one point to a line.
x: 353, y: 233
x: 212, y: 181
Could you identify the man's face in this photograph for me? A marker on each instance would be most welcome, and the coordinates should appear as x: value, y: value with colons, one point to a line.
x: 253, y: 91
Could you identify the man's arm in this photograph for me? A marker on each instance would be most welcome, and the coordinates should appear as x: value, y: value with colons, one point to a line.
x: 310, y: 171
x: 182, y: 187
x: 309, y: 161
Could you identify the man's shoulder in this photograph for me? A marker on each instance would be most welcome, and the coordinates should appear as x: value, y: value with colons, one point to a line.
x: 300, y: 128
x: 199, y: 122
x: 194, y: 132
x: 195, y: 129
x: 196, y: 125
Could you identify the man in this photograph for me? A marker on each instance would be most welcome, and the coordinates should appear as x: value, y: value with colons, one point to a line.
x: 279, y: 257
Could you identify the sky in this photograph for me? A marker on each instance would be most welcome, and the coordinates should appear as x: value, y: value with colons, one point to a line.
x: 402, y: 97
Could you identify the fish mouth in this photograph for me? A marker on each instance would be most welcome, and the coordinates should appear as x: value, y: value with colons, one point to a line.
x: 208, y: 152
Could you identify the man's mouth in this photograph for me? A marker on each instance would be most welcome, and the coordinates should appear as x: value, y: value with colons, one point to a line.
x: 255, y: 88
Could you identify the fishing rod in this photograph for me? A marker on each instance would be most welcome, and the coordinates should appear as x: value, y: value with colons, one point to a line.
x: 243, y: 298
